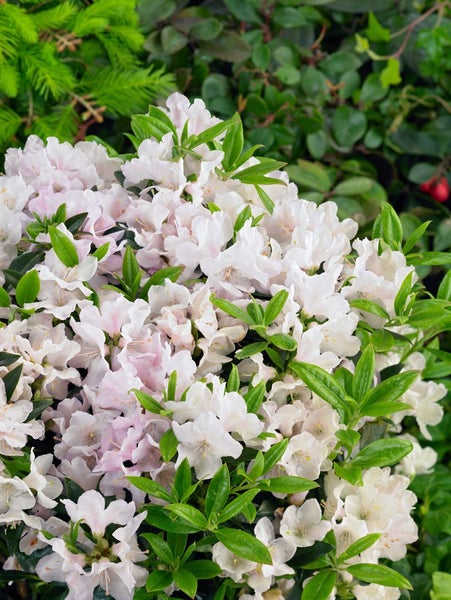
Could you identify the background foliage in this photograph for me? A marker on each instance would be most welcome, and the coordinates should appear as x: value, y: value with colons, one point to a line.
x: 355, y: 102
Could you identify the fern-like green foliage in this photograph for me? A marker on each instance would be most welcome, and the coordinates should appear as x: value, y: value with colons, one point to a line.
x: 65, y: 66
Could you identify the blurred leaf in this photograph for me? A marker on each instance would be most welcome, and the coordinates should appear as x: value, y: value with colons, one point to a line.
x: 309, y: 175
x: 207, y: 29
x: 228, y: 46
x: 390, y: 75
x: 421, y: 172
x: 172, y: 40
x: 349, y: 125
x: 375, y: 31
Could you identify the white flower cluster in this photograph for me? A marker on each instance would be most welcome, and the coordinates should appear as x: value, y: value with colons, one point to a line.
x: 85, y: 345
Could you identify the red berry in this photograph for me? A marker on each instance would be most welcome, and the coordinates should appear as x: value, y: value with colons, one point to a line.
x: 438, y: 189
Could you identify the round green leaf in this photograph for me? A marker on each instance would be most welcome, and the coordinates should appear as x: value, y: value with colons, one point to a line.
x: 261, y: 55
x: 172, y: 40
x: 206, y: 29
x: 317, y: 144
x: 421, y: 172
x: 354, y: 186
x: 288, y: 74
x: 349, y: 125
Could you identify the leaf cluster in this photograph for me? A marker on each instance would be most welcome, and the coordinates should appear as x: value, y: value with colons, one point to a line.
x: 65, y: 66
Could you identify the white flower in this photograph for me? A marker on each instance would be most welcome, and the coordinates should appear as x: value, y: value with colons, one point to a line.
x: 90, y: 508
x: 304, y: 456
x: 374, y: 591
x: 303, y: 525
x: 47, y: 487
x: 204, y: 442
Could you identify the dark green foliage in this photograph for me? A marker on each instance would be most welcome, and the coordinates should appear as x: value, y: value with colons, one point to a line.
x: 355, y: 102
x: 66, y: 66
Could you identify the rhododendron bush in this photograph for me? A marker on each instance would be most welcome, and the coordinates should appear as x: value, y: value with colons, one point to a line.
x: 204, y: 378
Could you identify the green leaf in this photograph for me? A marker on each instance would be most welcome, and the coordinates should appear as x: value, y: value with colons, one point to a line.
x: 349, y: 125
x: 237, y: 505
x: 364, y: 373
x: 231, y: 309
x: 370, y: 307
x: 261, y: 56
x: 228, y: 46
x: 359, y: 546
x: 160, y: 547
x: 168, y: 445
x: 217, y: 492
x: 233, y: 381
x: 391, y: 228
x: 287, y: 484
x: 64, y: 248
x: 74, y: 223
x: 430, y: 259
x: 283, y: 341
x: 232, y: 144
x: 256, y: 174
x: 379, y: 574
x: 321, y: 383
x: 320, y: 586
x: 203, y: 569
x: 101, y: 251
x: 158, y: 516
x: 11, y: 379
x: 382, y: 453
x: 182, y: 479
x: 150, y: 487
x: 391, y: 74
x: 158, y: 278
x: 441, y: 584
x: 39, y: 406
x: 245, y: 545
x: 403, y: 295
x: 255, y: 396
x: 158, y: 580
x: 264, y: 196
x: 309, y: 175
x: 251, y: 349
x: 155, y: 124
x: 189, y: 514
x: 172, y: 386
x: 384, y: 408
x: 186, y: 581
x: 390, y: 389
x: 444, y: 290
x: 5, y: 300
x: 27, y: 288
x: 130, y: 269
x: 275, y: 306
x: 354, y: 186
x: 211, y: 133
x: 274, y: 454
x: 241, y: 219
x: 147, y: 402
x: 376, y: 32
x: 7, y: 358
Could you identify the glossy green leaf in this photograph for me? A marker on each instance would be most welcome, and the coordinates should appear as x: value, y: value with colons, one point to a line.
x: 391, y: 228
x: 131, y: 270
x: 251, y: 349
x: 237, y: 505
x: 322, y: 383
x: 403, y: 294
x: 274, y: 454
x: 359, y: 546
x: 8, y: 358
x: 370, y: 307
x: 382, y: 453
x: 379, y: 574
x: 233, y: 142
x: 150, y: 487
x: 364, y: 373
x: 283, y: 341
x: 444, y: 290
x: 168, y: 445
x: 287, y: 484
x: 217, y: 492
x: 158, y: 580
x: 255, y: 396
x: 202, y: 569
x: 186, y: 581
x: 27, y: 288
x: 5, y: 300
x: 390, y: 389
x: 231, y: 309
x: 265, y: 198
x: 64, y: 248
x: 244, y: 544
x: 160, y: 547
x: 320, y: 586
x: 189, y: 514
x: 147, y: 402
x: 275, y: 306
x: 10, y: 380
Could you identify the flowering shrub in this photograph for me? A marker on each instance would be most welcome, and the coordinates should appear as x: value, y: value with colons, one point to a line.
x: 204, y: 378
